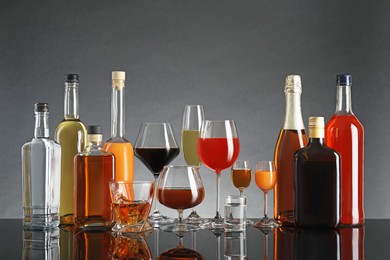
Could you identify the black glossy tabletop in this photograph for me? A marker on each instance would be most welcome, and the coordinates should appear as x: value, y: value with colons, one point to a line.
x: 369, y: 242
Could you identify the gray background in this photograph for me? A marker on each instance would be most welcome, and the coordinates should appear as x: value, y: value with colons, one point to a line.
x: 230, y: 56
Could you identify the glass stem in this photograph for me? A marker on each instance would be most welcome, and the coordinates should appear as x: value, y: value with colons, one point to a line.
x: 240, y: 193
x: 155, y: 210
x: 180, y: 215
x: 217, y: 215
x: 265, y: 206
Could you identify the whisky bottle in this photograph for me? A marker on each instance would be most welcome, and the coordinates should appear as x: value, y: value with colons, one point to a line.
x: 94, y: 169
x: 291, y: 138
x: 41, y: 180
x: 345, y: 134
x: 317, y: 181
x: 117, y: 144
x: 71, y: 134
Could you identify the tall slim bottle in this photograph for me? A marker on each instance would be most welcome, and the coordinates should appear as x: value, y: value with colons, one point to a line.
x: 71, y: 134
x: 41, y: 180
x: 117, y: 144
x: 345, y: 134
x: 291, y: 138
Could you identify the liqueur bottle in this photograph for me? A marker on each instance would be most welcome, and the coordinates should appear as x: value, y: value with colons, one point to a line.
x: 317, y: 181
x: 41, y: 180
x: 94, y: 169
x: 291, y: 138
x: 345, y: 134
x: 117, y: 144
x: 71, y: 134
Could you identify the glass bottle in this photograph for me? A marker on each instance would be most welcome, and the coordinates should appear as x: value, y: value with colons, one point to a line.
x: 317, y: 181
x: 41, y: 180
x: 94, y: 169
x: 117, y: 144
x: 345, y: 134
x: 71, y: 134
x: 291, y: 138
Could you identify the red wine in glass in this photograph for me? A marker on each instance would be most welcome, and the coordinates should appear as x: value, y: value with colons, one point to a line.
x: 156, y: 158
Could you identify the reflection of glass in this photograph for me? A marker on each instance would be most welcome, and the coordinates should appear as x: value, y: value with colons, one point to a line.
x: 192, y: 120
x: 241, y: 175
x: 317, y: 244
x: 180, y: 188
x: 180, y: 253
x: 352, y: 243
x: 265, y: 177
x: 235, y: 245
x: 42, y: 244
x: 131, y: 246
x: 93, y: 245
x: 156, y: 147
x: 218, y: 149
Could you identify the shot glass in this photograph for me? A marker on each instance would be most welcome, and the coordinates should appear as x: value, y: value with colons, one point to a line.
x: 235, y: 245
x: 131, y: 204
x: 235, y: 213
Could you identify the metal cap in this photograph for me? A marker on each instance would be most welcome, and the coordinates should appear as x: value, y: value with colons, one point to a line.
x: 317, y: 121
x: 344, y: 80
x: 94, y: 129
x: 41, y: 107
x: 118, y: 75
x: 71, y: 78
x: 293, y: 84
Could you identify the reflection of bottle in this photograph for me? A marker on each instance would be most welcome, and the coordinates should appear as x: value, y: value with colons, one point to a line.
x: 93, y: 245
x: 352, y: 243
x: 317, y: 181
x: 71, y: 135
x: 291, y: 138
x: 41, y: 244
x: 317, y: 244
x: 117, y: 144
x: 284, y: 243
x: 345, y: 134
x: 66, y: 242
x: 131, y: 246
x: 41, y: 179
x: 94, y: 169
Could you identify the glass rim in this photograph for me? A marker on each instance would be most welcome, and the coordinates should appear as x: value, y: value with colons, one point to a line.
x: 217, y: 121
x: 155, y: 123
x: 181, y: 166
x: 193, y: 105
x: 132, y: 182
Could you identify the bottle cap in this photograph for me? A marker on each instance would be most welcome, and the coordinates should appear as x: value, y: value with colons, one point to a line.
x: 317, y: 121
x: 293, y: 84
x: 344, y: 80
x: 94, y: 129
x: 71, y: 78
x: 41, y: 107
x: 118, y: 75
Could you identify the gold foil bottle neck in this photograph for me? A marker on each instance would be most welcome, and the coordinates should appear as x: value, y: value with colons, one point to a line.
x: 316, y: 127
x: 293, y: 84
x: 95, y: 138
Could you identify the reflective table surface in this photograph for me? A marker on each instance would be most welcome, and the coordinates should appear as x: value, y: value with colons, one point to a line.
x: 369, y: 242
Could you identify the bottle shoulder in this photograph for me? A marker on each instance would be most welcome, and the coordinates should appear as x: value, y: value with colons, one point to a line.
x: 344, y: 121
x: 118, y: 140
x: 71, y: 125
x: 316, y: 152
x: 42, y: 144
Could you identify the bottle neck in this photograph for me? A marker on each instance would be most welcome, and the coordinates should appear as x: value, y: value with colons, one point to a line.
x: 94, y: 141
x: 293, y: 117
x: 343, y: 100
x: 118, y: 109
x: 41, y: 125
x: 316, y: 140
x: 316, y: 135
x: 71, y: 101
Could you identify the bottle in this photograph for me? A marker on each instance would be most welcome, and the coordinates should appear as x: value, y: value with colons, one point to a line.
x: 41, y: 179
x: 291, y: 138
x: 117, y: 144
x: 94, y: 169
x: 317, y: 181
x: 345, y: 134
x: 71, y: 134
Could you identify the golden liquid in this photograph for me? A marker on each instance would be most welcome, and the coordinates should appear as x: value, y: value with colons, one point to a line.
x: 72, y: 136
x: 189, y: 144
x: 124, y: 160
x: 265, y: 180
x: 241, y: 178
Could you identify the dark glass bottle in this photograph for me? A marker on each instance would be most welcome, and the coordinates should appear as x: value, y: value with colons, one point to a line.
x: 317, y: 181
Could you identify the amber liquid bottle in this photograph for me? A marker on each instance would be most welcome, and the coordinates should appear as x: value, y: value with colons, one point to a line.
x: 94, y: 169
x: 291, y: 138
x: 317, y: 181
x: 117, y: 144
x: 345, y: 134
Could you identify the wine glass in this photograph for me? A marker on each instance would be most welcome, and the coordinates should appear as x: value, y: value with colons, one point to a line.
x: 265, y: 177
x: 156, y: 147
x: 241, y: 175
x: 192, y: 120
x: 180, y: 188
x: 180, y: 252
x: 218, y: 148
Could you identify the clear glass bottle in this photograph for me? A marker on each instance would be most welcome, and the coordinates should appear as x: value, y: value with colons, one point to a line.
x: 291, y: 138
x: 94, y: 169
x: 345, y: 134
x: 41, y: 179
x: 41, y: 244
x: 317, y: 181
x: 117, y: 144
x: 71, y: 134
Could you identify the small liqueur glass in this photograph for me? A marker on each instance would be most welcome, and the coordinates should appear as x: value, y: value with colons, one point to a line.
x: 240, y: 175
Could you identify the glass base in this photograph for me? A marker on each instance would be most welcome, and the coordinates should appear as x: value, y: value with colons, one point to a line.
x: 195, y: 219
x: 216, y: 225
x: 179, y: 228
x: 266, y: 223
x: 123, y: 229
x: 157, y: 220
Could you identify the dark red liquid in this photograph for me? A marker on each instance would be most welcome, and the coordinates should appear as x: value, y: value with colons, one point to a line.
x: 180, y: 253
x: 218, y: 153
x: 345, y: 134
x: 180, y: 198
x: 352, y: 243
x: 156, y: 158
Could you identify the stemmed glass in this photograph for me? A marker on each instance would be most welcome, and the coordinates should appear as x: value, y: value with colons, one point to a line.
x: 265, y: 177
x: 192, y: 120
x: 156, y: 147
x: 241, y: 175
x: 180, y: 188
x: 218, y: 149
